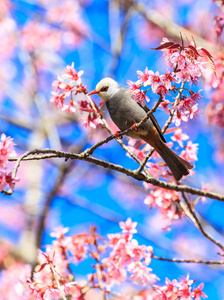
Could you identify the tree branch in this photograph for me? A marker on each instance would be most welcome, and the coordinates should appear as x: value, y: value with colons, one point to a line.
x: 140, y: 177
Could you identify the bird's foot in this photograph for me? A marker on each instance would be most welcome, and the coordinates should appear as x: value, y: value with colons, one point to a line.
x: 134, y: 127
x: 116, y: 135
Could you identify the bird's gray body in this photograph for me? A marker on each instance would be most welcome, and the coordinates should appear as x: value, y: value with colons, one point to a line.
x: 125, y: 112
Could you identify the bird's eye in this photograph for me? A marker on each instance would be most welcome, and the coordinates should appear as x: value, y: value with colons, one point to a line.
x: 104, y: 89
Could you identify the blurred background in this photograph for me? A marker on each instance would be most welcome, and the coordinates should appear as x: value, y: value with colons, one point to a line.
x: 38, y: 39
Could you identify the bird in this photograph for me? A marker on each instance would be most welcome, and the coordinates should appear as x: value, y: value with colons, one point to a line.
x: 126, y: 112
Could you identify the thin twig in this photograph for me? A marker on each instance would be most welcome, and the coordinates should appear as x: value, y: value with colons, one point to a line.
x: 197, y: 223
x: 184, y: 260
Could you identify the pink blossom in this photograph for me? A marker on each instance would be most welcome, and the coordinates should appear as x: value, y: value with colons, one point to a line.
x: 141, y: 274
x: 193, y: 111
x: 6, y: 149
x: 185, y: 104
x: 188, y: 102
x: 154, y: 169
x: 51, y: 293
x: 78, y: 246
x: 165, y: 104
x: 114, y: 239
x: 179, y: 117
x: 140, y: 96
x: 190, y: 152
x: 11, y: 180
x: 92, y: 121
x: 144, y: 76
x: 168, y: 78
x: 165, y: 201
x: 115, y: 273
x: 185, y: 281
x: 57, y: 99
x: 197, y: 293
x: 133, y: 85
x: 179, y: 137
x: 65, y: 86
x: 58, y: 84
x: 161, y: 90
x: 184, y: 292
x: 69, y: 108
x: 128, y: 226
x: 59, y: 232
x: 71, y: 74
x: 171, y: 287
x: 138, y: 152
x: 154, y: 80
x: 85, y: 106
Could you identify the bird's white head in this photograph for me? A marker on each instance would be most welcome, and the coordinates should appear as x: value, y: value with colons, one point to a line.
x: 106, y: 88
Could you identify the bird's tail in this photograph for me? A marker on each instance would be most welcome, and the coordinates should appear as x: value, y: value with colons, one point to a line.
x: 178, y: 166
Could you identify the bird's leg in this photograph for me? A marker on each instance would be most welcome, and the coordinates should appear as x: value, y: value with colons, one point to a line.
x: 134, y: 127
x: 116, y: 135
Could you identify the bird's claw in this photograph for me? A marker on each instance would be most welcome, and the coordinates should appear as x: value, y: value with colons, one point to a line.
x: 134, y: 127
x: 116, y: 135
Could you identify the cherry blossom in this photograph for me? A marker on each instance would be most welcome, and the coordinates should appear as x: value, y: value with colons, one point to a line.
x: 140, y: 96
x: 179, y: 137
x: 179, y: 117
x: 179, y: 290
x: 6, y: 149
x: 165, y: 105
x: 190, y: 152
x: 197, y: 292
x: 164, y: 200
x: 144, y: 76
x: 91, y: 122
x: 133, y: 85
x: 71, y: 74
x: 128, y: 226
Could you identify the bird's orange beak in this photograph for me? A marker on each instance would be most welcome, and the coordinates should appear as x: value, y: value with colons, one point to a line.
x: 93, y: 92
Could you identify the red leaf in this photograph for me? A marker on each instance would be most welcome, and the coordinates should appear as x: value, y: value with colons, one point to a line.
x: 163, y: 46
x: 42, y: 267
x: 189, y: 42
x: 194, y: 50
x: 193, y: 41
x: 206, y: 52
x: 209, y: 56
x: 174, y: 46
x: 182, y: 41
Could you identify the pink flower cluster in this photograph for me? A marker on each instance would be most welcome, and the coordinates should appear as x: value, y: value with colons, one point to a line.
x: 166, y: 201
x: 66, y: 87
x: 6, y: 151
x: 116, y: 259
x: 52, y: 278
x: 188, y: 64
x: 184, y: 60
x: 182, y: 290
x: 127, y: 257
x: 156, y: 168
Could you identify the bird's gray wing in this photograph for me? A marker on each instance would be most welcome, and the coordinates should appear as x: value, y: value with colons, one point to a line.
x: 154, y: 121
